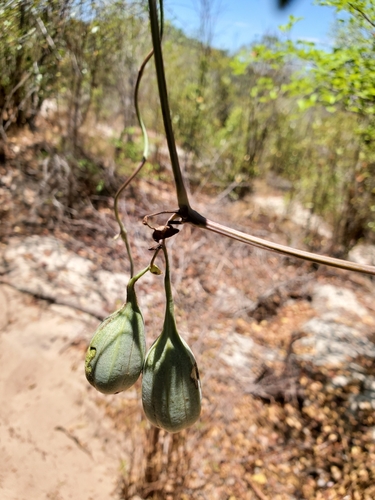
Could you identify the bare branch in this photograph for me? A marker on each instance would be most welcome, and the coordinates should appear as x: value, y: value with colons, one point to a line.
x: 50, y: 42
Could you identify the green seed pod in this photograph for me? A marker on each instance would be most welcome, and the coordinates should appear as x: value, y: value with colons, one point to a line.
x: 171, y: 390
x: 116, y: 354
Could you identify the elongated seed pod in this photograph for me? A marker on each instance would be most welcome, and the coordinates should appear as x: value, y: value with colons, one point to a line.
x: 116, y: 354
x: 171, y: 390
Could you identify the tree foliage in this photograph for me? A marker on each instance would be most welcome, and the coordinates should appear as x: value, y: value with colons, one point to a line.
x: 332, y: 88
x: 31, y: 39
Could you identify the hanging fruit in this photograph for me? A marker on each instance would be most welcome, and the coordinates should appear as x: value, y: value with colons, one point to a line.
x: 171, y: 390
x: 116, y: 354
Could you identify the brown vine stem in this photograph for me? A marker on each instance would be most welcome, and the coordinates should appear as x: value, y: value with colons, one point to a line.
x: 283, y: 249
x: 186, y: 212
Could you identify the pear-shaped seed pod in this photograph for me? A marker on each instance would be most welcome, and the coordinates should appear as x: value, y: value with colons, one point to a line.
x: 171, y: 391
x: 116, y: 354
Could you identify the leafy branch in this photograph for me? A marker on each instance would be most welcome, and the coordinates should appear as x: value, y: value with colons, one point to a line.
x: 186, y: 212
x: 363, y: 14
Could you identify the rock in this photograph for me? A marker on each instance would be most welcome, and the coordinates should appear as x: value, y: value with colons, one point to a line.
x: 365, y: 399
x: 241, y: 352
x: 245, y: 357
x: 295, y: 212
x: 229, y: 300
x: 340, y: 381
x: 334, y: 344
x: 331, y: 298
x: 43, y: 266
x: 336, y: 340
x: 363, y: 254
x: 112, y: 286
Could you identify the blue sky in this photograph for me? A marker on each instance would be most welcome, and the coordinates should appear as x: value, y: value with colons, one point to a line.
x: 239, y: 22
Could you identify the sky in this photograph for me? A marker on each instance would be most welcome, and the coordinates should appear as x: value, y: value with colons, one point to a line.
x: 239, y: 22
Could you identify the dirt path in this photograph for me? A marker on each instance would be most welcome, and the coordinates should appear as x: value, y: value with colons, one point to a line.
x: 55, y: 441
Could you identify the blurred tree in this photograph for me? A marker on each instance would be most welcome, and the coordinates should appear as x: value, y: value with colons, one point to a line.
x: 31, y: 36
x: 338, y: 80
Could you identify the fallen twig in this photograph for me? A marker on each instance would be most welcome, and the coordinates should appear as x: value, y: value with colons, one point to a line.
x: 73, y: 438
x: 256, y: 490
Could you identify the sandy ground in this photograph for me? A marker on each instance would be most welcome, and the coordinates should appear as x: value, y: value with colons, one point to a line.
x: 55, y: 441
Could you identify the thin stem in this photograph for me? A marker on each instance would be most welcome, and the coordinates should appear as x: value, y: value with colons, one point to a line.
x: 286, y: 250
x: 130, y: 289
x: 135, y: 278
x: 199, y: 220
x: 123, y: 232
x: 146, y: 217
x: 136, y: 105
x: 182, y: 196
x: 167, y: 280
x: 152, y: 262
